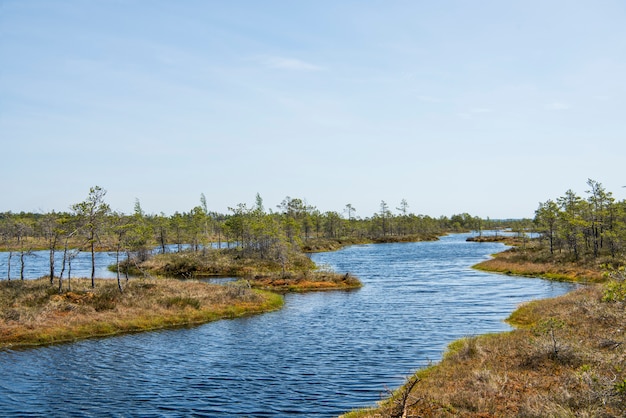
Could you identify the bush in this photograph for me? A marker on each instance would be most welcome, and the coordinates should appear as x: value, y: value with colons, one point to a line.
x: 615, y: 291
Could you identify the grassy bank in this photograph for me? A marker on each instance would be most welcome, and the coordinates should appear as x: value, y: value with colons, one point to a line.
x: 310, y: 281
x: 33, y: 313
x: 293, y: 273
x: 566, y: 359
x: 533, y: 261
x: 329, y: 244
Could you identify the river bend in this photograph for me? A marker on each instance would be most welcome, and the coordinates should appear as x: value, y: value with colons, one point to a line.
x: 323, y: 354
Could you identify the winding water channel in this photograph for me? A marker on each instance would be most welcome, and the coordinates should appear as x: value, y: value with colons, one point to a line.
x: 323, y: 354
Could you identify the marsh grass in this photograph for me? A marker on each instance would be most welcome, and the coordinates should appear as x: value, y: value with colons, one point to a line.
x: 300, y: 275
x: 521, y: 374
x: 313, y: 245
x: 224, y: 262
x: 306, y: 281
x: 533, y: 262
x: 32, y: 312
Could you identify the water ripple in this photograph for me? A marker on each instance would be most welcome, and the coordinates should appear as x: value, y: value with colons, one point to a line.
x: 323, y: 354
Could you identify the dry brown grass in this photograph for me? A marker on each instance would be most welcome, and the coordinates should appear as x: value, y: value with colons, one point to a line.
x: 534, y: 263
x: 299, y: 275
x: 568, y: 359
x: 32, y: 312
x: 308, y: 281
x: 313, y: 245
x: 224, y: 262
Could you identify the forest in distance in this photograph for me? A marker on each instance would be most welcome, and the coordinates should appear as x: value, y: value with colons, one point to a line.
x: 90, y: 225
x: 564, y: 356
x: 572, y: 226
x: 561, y: 356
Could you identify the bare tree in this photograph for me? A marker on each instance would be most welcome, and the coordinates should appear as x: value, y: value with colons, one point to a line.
x: 21, y: 232
x: 350, y: 210
x: 404, y: 207
x: 6, y: 235
x: 51, y: 228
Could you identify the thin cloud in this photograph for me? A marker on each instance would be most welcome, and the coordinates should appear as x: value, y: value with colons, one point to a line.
x: 481, y: 110
x: 558, y: 106
x: 429, y: 99
x: 294, y: 64
x: 474, y: 111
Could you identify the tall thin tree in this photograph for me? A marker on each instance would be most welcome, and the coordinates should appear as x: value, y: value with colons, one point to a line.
x: 92, y: 212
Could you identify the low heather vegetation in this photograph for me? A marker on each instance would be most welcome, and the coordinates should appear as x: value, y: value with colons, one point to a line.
x: 33, y: 313
x: 566, y: 359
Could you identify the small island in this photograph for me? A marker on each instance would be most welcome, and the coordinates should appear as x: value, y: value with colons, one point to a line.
x: 164, y: 291
x: 163, y: 263
x: 279, y: 268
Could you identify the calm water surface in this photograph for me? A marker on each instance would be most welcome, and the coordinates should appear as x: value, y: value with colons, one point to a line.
x: 323, y: 354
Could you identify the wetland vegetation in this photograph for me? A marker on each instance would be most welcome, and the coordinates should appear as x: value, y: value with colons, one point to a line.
x: 566, y: 357
x: 265, y: 249
x: 34, y: 313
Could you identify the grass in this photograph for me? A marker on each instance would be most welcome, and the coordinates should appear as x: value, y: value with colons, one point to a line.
x: 223, y: 262
x: 33, y: 313
x: 307, y: 281
x: 299, y: 274
x: 566, y: 359
x: 533, y: 262
x: 313, y: 245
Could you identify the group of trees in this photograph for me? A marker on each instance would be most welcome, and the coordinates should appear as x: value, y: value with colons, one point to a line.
x: 92, y: 226
x: 584, y: 228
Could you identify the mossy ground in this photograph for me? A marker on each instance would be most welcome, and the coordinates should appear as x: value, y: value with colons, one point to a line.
x: 32, y: 312
x: 298, y: 274
x: 311, y: 281
x: 533, y: 261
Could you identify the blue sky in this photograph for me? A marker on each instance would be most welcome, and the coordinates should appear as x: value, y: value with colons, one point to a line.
x: 485, y: 107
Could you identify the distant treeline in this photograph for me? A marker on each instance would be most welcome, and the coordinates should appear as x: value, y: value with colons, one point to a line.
x: 92, y: 222
x: 91, y: 225
x: 590, y: 228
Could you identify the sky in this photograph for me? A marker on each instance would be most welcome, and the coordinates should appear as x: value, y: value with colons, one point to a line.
x: 479, y: 107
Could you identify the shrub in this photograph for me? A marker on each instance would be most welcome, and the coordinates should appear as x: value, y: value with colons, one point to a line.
x: 621, y: 387
x: 615, y: 291
x: 181, y: 302
x: 105, y: 299
x: 549, y: 327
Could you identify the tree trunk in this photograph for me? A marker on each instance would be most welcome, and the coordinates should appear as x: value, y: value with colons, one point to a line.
x: 117, y: 269
x: 93, y: 265
x: 22, y: 265
x: 63, y: 267
x: 9, y: 265
x: 69, y: 274
x: 52, y: 265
